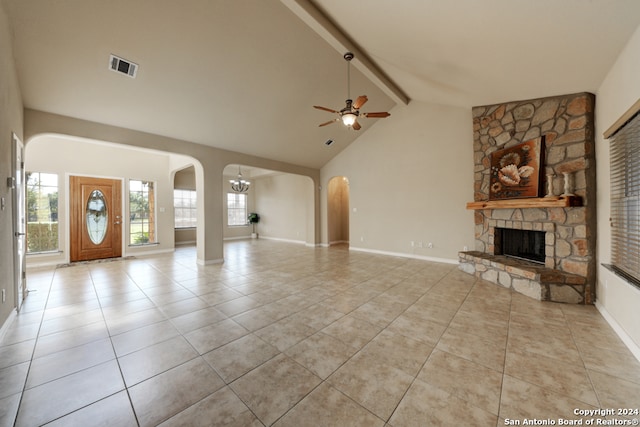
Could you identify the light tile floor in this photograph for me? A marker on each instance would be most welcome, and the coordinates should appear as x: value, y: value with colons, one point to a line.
x: 285, y: 335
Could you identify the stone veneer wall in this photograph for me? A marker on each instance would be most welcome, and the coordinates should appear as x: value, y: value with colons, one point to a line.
x: 567, y: 123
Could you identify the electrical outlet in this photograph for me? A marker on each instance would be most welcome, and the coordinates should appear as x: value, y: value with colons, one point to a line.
x: 465, y: 248
x: 430, y: 245
x: 413, y: 244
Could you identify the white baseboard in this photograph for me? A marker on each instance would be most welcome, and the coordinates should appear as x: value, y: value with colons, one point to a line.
x: 626, y: 339
x: 146, y: 252
x: 7, y: 324
x: 405, y: 255
x: 301, y: 242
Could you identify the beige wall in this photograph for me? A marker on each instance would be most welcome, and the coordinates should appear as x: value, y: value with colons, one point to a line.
x: 283, y: 202
x: 616, y: 299
x: 10, y: 122
x: 185, y: 179
x: 410, y: 178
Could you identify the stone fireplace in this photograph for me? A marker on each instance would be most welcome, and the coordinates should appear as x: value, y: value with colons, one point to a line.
x: 563, y: 269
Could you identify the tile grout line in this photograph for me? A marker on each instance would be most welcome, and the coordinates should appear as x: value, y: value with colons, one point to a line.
x: 115, y: 354
x: 504, y: 365
x: 33, y: 351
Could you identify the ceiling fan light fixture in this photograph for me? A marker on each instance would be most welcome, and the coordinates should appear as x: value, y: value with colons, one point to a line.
x: 350, y: 113
x: 349, y: 119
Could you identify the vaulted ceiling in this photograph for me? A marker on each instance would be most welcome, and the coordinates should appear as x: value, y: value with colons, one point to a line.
x: 243, y: 75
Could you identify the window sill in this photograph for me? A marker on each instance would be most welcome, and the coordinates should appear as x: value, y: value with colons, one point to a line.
x: 622, y: 275
x: 140, y: 245
x: 43, y: 253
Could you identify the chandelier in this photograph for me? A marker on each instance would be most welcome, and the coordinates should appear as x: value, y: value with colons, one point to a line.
x: 239, y: 185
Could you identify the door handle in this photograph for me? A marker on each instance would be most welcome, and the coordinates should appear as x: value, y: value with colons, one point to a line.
x: 18, y: 234
x: 117, y: 222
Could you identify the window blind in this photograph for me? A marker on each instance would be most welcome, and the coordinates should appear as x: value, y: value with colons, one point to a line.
x: 625, y: 200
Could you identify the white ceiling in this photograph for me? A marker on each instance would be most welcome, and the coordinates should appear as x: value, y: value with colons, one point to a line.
x: 243, y: 75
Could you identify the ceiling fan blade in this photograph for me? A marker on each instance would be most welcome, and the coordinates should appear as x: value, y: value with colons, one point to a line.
x: 379, y: 115
x: 325, y: 109
x: 328, y: 123
x: 360, y: 101
x: 356, y: 125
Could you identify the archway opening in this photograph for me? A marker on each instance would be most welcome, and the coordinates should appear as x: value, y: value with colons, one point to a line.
x: 338, y: 210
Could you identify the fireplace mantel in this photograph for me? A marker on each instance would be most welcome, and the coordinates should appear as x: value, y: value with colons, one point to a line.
x: 542, y: 202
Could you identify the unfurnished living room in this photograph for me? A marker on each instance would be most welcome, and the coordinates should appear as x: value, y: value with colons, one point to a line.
x: 319, y: 212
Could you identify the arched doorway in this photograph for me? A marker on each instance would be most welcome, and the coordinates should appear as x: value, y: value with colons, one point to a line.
x: 338, y: 210
x: 185, y: 206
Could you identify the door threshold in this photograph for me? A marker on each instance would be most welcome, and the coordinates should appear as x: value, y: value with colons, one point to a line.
x: 94, y: 261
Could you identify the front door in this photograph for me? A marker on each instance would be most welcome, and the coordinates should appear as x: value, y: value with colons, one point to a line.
x: 95, y: 218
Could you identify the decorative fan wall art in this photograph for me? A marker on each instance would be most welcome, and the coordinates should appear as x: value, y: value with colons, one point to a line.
x: 515, y: 171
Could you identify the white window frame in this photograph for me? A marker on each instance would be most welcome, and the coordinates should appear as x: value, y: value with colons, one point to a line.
x: 185, y: 199
x: 151, y: 221
x: 245, y: 209
x: 39, y: 185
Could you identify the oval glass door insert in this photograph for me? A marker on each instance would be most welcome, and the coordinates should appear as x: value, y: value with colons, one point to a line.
x: 96, y: 217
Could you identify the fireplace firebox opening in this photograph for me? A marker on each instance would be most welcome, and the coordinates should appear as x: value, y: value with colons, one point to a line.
x: 527, y: 245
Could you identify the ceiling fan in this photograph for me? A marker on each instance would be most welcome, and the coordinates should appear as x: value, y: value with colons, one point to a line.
x: 350, y: 113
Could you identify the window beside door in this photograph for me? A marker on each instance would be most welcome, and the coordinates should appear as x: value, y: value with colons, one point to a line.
x: 142, y: 227
x: 42, y: 212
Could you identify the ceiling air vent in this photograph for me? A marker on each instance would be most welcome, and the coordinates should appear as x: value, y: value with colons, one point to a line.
x: 121, y: 65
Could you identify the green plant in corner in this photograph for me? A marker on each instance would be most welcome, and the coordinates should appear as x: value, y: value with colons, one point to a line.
x: 253, y: 219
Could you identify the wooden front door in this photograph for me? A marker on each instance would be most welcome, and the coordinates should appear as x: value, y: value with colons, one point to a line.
x: 95, y: 218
